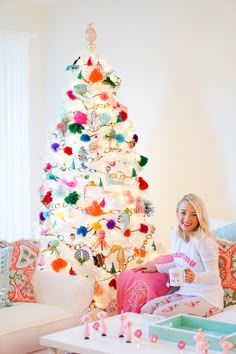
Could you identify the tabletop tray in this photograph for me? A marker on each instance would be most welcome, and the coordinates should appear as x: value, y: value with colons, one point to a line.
x: 184, y: 327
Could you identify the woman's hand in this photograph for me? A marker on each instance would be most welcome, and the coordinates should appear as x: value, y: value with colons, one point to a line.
x: 189, y: 275
x: 148, y: 268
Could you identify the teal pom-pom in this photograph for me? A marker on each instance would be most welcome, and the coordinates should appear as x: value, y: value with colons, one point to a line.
x: 120, y: 138
x: 104, y: 118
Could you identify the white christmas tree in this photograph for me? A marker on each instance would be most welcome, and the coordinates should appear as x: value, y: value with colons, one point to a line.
x: 94, y: 217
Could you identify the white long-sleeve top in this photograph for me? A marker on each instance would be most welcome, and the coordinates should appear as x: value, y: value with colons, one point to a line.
x: 201, y: 255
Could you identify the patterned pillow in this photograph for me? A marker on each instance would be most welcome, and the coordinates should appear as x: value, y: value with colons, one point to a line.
x: 24, y: 258
x: 227, y: 264
x: 5, y: 262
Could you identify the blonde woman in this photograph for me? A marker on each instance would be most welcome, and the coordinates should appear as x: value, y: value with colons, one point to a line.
x: 195, y: 250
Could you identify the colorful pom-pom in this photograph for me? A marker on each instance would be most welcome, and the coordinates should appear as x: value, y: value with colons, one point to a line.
x: 80, y: 118
x: 104, y: 118
x: 55, y: 147
x: 120, y: 138
x: 48, y: 167
x: 111, y: 224
x: 72, y: 198
x: 85, y: 137
x: 96, y: 226
x: 58, y: 264
x: 75, y: 128
x: 47, y: 199
x: 127, y: 233
x: 143, y: 228
x: 103, y: 96
x: 41, y: 216
x: 68, y: 150
x: 82, y: 230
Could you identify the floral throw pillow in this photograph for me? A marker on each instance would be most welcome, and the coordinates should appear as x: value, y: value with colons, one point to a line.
x: 24, y: 259
x: 227, y: 265
x: 5, y: 262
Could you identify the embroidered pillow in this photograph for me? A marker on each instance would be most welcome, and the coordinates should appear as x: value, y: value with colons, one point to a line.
x: 24, y: 258
x: 5, y: 262
x: 134, y: 289
x: 227, y: 265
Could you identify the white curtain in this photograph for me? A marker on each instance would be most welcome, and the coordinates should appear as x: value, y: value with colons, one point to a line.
x: 15, y: 217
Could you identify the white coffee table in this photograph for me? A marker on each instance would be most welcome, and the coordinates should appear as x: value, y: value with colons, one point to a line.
x: 72, y: 340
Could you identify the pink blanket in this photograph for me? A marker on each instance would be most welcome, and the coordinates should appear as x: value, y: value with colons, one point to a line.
x: 134, y: 289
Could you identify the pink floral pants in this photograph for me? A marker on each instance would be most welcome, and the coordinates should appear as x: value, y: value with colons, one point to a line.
x: 175, y: 304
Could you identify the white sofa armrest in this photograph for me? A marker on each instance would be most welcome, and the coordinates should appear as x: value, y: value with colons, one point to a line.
x: 63, y: 290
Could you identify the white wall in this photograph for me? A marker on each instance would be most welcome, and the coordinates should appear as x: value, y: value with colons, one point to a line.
x: 176, y: 59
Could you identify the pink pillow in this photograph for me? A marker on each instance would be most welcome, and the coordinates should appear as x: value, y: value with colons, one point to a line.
x: 134, y: 289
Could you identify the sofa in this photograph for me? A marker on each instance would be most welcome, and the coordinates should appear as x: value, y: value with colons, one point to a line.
x: 61, y: 301
x: 41, y: 302
x: 134, y: 289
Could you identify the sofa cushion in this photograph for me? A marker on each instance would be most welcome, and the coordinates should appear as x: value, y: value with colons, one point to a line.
x: 5, y: 262
x: 227, y: 265
x: 226, y: 232
x: 23, y: 323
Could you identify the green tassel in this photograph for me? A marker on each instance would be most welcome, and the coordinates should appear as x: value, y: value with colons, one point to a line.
x: 73, y: 165
x: 119, y: 119
x: 80, y: 75
x: 154, y: 246
x: 109, y: 81
x: 134, y: 174
x: 113, y: 269
x: 143, y: 160
x: 100, y: 183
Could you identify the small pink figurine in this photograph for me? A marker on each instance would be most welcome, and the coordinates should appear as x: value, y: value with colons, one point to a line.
x: 202, y: 347
x: 122, y: 325
x: 199, y: 336
x: 102, y: 315
x: 225, y: 345
x: 199, y: 341
x: 129, y: 332
x: 86, y: 320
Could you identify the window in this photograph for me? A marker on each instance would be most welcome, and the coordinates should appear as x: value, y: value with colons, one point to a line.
x: 15, y: 216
